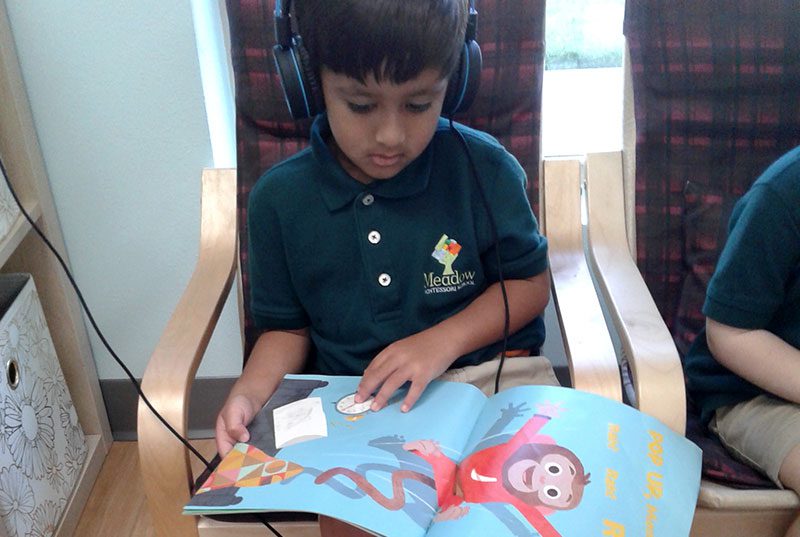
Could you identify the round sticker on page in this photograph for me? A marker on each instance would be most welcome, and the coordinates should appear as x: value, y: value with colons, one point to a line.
x: 353, y: 411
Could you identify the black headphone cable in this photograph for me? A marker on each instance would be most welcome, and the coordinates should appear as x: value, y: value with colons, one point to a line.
x: 495, y: 239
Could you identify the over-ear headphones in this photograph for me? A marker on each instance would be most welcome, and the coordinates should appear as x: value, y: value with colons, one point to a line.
x: 463, y: 85
x: 303, y: 92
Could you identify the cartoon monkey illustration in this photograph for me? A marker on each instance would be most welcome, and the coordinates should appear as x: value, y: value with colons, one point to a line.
x: 529, y: 471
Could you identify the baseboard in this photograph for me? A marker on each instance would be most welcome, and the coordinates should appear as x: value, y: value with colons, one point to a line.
x: 208, y: 394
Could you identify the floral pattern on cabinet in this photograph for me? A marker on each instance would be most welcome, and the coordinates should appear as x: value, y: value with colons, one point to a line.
x: 42, y: 446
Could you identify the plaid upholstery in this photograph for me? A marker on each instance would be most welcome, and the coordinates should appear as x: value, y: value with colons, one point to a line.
x: 706, y: 212
x: 716, y: 89
x: 508, y: 105
x: 717, y: 99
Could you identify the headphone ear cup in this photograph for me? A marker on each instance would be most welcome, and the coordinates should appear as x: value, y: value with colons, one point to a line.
x: 291, y: 81
x: 312, y: 84
x: 300, y: 88
x: 464, y: 82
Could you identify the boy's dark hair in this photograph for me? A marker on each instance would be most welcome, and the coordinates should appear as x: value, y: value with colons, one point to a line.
x: 393, y: 40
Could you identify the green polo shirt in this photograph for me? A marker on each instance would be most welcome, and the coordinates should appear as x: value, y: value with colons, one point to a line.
x: 366, y: 265
x: 756, y: 284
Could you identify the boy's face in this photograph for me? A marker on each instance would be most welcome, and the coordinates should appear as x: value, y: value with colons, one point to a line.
x: 379, y: 129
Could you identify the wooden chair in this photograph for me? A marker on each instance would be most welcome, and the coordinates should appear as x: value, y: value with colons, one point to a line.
x: 712, y: 98
x: 507, y: 106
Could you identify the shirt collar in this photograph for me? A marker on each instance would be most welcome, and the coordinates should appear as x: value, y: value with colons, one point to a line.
x: 338, y: 188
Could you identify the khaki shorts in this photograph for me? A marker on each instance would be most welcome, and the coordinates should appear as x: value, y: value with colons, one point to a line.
x: 517, y: 371
x: 760, y: 432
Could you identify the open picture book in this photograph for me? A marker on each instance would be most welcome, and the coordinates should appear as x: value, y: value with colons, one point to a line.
x: 530, y: 460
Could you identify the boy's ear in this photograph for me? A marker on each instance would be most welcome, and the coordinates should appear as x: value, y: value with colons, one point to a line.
x: 464, y: 82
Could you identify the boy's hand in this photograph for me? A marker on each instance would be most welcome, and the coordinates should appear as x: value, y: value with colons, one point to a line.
x: 232, y: 423
x: 418, y: 359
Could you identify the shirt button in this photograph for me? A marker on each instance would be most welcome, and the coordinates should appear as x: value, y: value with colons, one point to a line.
x: 384, y: 280
x: 374, y: 237
x: 368, y: 199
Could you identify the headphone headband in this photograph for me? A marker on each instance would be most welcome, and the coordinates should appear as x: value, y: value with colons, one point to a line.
x: 303, y: 93
x: 472, y: 23
x: 283, y: 23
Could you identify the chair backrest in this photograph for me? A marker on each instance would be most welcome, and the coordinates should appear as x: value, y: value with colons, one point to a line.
x: 716, y: 88
x: 508, y: 104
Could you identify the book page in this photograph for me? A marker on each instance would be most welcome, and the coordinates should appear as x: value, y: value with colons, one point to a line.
x: 359, y: 467
x: 558, y: 462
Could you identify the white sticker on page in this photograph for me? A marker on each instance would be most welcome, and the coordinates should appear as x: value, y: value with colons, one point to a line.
x: 299, y: 421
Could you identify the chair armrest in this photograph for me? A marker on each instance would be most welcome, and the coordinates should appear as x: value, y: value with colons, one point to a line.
x: 646, y: 342
x: 169, y: 374
x: 587, y: 343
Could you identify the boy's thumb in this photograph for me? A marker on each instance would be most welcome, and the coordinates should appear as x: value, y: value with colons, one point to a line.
x: 242, y: 434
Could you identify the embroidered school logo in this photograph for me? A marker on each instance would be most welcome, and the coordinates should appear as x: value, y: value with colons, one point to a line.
x: 446, y: 252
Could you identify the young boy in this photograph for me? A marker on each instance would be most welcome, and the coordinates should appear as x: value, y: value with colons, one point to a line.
x: 744, y: 369
x: 373, y: 246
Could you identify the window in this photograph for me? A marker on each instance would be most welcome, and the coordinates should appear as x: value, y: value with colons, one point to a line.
x: 582, y: 101
x: 210, y: 26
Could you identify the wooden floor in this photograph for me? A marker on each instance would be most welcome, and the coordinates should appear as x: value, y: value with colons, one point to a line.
x: 117, y: 505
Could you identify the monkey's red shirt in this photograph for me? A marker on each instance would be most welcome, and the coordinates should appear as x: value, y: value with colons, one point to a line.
x: 479, y: 477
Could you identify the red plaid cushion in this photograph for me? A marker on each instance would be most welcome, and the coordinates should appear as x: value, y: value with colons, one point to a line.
x: 717, y: 99
x: 706, y: 213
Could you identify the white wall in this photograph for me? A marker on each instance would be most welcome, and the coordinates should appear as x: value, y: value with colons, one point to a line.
x: 117, y: 100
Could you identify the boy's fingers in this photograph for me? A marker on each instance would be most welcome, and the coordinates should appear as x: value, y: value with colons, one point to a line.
x: 223, y: 446
x: 414, y: 392
x: 224, y: 441
x: 363, y: 391
x: 387, y: 389
x: 373, y: 377
x: 240, y: 433
x: 235, y: 425
x: 230, y: 431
